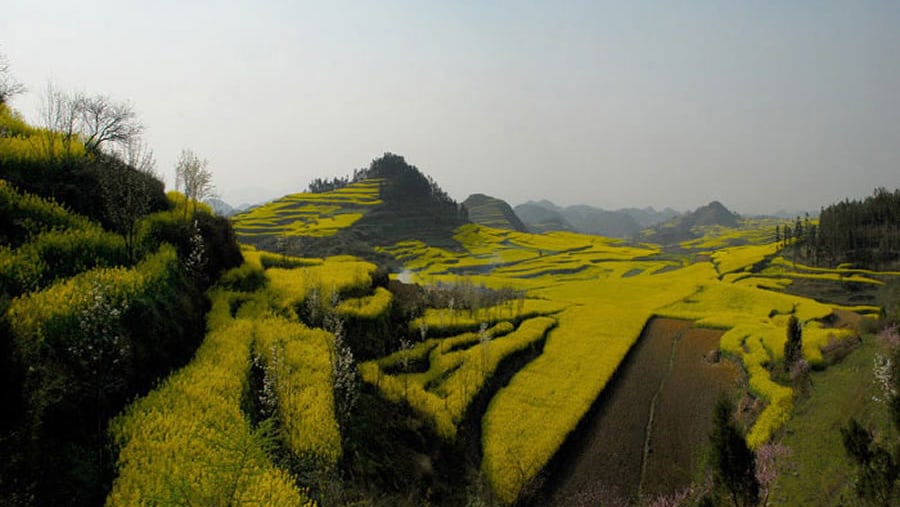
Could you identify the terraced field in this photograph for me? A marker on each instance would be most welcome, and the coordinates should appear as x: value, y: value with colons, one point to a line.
x: 309, y: 214
x: 608, y: 291
x: 580, y: 303
x: 170, y: 452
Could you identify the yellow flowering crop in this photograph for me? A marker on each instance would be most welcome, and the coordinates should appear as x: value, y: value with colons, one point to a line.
x: 189, y: 442
x: 367, y: 307
x: 300, y: 359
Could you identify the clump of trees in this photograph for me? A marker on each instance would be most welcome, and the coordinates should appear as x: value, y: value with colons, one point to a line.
x: 321, y: 185
x: 865, y: 232
x: 406, y: 181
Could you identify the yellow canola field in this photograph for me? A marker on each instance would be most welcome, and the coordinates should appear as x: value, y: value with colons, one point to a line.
x: 443, y: 321
x: 604, y: 293
x: 366, y: 307
x: 188, y: 443
x: 528, y: 420
x: 454, y: 376
x: 310, y: 214
x: 741, y: 258
x: 335, y: 275
x: 301, y: 359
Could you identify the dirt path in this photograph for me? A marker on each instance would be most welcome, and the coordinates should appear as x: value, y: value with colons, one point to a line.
x: 645, y: 433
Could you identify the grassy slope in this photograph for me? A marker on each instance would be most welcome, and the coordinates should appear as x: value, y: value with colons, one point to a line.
x: 819, y: 472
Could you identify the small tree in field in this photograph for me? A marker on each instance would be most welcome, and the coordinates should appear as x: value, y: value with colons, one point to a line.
x: 793, y: 346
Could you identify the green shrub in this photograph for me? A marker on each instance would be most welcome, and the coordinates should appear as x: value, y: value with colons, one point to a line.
x: 246, y: 278
x: 56, y: 255
x: 23, y: 215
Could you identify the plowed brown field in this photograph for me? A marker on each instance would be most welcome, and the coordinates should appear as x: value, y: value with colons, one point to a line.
x: 646, y: 434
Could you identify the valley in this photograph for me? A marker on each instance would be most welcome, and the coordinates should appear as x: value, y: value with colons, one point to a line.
x: 496, y: 365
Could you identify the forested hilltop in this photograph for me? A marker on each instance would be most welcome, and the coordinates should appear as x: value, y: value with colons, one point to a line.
x: 863, y: 232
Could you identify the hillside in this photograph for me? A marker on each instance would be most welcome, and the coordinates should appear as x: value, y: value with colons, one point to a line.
x: 687, y: 226
x: 102, y: 294
x: 390, y: 201
x: 590, y: 220
x: 492, y: 212
x: 542, y: 216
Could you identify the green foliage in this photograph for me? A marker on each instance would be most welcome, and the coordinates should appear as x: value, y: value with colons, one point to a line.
x: 12, y: 124
x: 23, y: 215
x: 245, y: 278
x: 862, y: 232
x: 878, y: 467
x: 58, y: 254
x: 734, y: 462
x: 209, y: 233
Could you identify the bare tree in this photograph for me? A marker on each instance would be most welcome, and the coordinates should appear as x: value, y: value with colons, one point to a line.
x: 59, y: 115
x: 138, y: 155
x: 94, y: 120
x: 192, y: 175
x: 102, y: 120
x: 128, y: 187
x: 9, y: 86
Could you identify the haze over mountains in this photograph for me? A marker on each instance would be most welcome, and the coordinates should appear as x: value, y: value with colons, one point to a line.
x: 663, y: 226
x: 542, y: 216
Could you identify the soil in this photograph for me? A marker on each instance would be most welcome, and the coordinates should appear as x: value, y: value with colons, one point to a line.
x: 647, y: 432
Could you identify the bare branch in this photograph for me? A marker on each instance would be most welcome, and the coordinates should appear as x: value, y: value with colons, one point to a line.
x: 101, y: 120
x: 9, y: 86
x: 192, y: 175
x: 138, y: 155
x: 59, y: 115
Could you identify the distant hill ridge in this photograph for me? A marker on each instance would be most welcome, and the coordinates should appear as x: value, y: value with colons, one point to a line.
x: 713, y: 213
x: 681, y: 228
x: 544, y: 216
x: 493, y: 212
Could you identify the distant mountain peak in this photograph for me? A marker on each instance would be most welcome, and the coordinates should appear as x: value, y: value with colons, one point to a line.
x: 714, y: 213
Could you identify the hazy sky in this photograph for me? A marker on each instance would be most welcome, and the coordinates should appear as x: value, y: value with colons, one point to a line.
x: 760, y: 104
